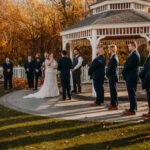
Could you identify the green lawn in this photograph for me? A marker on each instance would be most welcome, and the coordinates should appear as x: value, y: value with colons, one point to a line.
x: 20, y: 131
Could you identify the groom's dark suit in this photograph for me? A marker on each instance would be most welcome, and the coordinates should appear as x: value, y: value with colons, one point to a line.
x: 64, y: 66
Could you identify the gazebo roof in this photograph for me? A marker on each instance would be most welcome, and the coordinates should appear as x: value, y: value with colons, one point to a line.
x: 114, y: 17
x: 100, y: 1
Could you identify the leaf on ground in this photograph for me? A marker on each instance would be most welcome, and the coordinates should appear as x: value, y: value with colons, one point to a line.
x: 66, y: 142
x: 82, y: 135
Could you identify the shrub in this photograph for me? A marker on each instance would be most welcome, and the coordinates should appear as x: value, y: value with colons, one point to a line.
x: 19, y: 83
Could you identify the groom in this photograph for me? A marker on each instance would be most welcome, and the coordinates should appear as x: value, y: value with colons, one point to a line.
x: 65, y: 66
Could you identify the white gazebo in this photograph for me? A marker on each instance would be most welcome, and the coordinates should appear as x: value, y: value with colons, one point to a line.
x: 109, y: 19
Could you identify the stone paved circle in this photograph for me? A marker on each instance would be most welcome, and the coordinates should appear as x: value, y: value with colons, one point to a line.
x: 76, y: 109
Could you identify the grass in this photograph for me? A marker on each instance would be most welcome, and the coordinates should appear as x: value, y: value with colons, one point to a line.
x: 20, y: 131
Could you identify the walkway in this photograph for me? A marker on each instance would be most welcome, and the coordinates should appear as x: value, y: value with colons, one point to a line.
x: 76, y: 109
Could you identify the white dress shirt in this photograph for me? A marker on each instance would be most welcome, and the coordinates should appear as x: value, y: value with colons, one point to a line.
x: 80, y: 61
x: 132, y: 52
x: 112, y: 55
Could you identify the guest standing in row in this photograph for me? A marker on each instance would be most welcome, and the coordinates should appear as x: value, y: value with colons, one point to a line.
x: 8, y: 73
x: 77, y: 64
x: 97, y: 73
x: 112, y: 74
x: 130, y: 75
x: 29, y: 69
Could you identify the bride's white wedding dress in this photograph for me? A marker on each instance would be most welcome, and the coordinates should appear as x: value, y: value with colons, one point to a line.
x: 50, y: 85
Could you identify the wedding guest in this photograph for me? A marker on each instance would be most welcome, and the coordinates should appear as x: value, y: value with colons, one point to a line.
x: 8, y: 73
x: 145, y: 77
x: 65, y: 66
x: 77, y: 64
x: 97, y: 73
x: 112, y: 74
x: 130, y: 75
x: 37, y: 70
x: 29, y: 68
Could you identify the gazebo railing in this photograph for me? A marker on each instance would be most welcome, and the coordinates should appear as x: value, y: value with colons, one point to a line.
x: 19, y: 72
x: 86, y: 78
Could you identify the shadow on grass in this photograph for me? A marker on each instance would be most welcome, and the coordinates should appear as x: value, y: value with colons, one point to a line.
x: 57, y: 135
x: 118, y: 143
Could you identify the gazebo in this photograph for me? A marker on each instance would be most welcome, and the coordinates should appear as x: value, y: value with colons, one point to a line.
x: 110, y: 19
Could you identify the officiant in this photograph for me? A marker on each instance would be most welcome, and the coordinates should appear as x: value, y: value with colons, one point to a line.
x: 77, y: 64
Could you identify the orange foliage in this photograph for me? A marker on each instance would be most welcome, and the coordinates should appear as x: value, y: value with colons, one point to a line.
x: 35, y: 27
x: 19, y: 83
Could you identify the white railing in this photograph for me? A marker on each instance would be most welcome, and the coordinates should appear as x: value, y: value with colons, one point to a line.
x: 86, y: 78
x: 19, y: 72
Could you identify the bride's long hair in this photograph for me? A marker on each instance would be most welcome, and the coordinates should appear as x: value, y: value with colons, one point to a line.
x: 51, y: 56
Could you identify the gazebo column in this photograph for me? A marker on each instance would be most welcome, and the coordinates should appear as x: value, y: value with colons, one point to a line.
x: 94, y: 43
x: 94, y: 40
x: 64, y: 42
x: 71, y: 56
x: 71, y: 49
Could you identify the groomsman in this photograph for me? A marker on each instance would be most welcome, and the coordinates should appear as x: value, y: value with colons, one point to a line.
x: 145, y: 77
x: 37, y: 70
x: 130, y: 74
x: 64, y: 66
x: 8, y: 73
x: 29, y: 68
x: 77, y: 64
x: 112, y: 74
x: 97, y: 73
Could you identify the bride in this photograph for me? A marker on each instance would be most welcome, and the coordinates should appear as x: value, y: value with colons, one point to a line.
x: 50, y: 85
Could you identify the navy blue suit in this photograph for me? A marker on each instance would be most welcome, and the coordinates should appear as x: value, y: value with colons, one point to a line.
x: 29, y: 68
x: 130, y: 74
x: 97, y: 73
x: 112, y: 74
x: 145, y: 77
x: 64, y: 66
x: 37, y: 71
x: 8, y: 74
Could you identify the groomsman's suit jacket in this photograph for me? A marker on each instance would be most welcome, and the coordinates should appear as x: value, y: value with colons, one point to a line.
x: 130, y: 71
x: 97, y: 73
x: 6, y: 67
x: 112, y: 70
x: 29, y: 66
x: 97, y: 69
x: 37, y: 66
x: 145, y: 74
x: 8, y: 74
